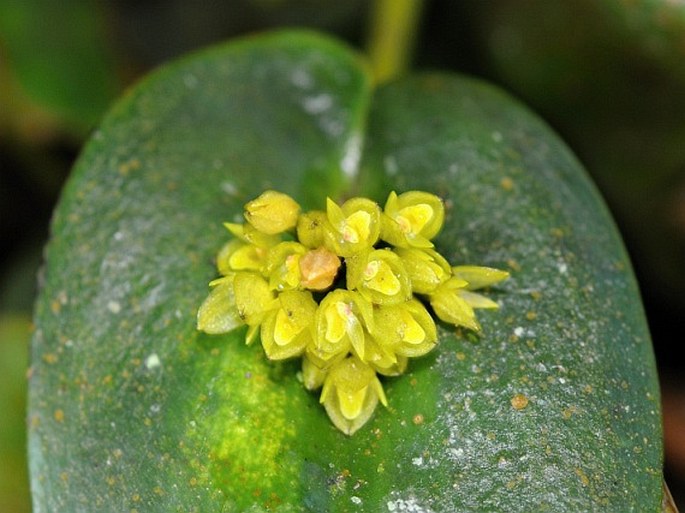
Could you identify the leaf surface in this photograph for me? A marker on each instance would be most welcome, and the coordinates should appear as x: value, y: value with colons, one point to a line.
x: 555, y: 407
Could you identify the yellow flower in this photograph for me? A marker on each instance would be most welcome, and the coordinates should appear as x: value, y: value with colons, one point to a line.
x: 383, y: 359
x: 352, y: 227
x: 285, y: 291
x: 272, y: 212
x: 340, y: 322
x: 313, y: 376
x: 412, y: 219
x: 239, y: 256
x: 219, y: 313
x: 449, y: 306
x: 310, y: 228
x: 254, y: 300
x: 350, y: 394
x: 426, y: 267
x: 407, y: 328
x: 379, y: 276
x: 287, y: 331
x: 454, y: 300
x: 282, y: 266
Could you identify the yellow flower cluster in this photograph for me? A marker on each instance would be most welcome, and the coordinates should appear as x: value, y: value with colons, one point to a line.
x: 341, y: 288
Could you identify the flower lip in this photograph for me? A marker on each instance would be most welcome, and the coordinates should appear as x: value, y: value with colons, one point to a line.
x: 287, y: 331
x: 412, y: 219
x: 353, y: 226
x: 379, y: 276
x: 341, y: 320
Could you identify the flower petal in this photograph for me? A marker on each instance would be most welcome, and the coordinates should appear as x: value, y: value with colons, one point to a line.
x: 218, y: 313
x: 475, y: 300
x: 479, y: 277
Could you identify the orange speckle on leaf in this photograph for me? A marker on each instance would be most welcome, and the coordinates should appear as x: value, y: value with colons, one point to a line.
x: 583, y: 478
x: 513, y: 265
x: 519, y: 402
x: 569, y: 412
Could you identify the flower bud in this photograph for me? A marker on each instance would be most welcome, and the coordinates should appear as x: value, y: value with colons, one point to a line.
x: 218, y: 313
x: 313, y: 376
x: 310, y: 228
x: 318, y: 269
x: 272, y: 212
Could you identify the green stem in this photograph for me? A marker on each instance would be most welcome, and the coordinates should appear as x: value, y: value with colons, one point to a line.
x: 393, y: 30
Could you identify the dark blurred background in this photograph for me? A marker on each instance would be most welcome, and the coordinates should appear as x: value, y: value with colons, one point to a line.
x: 608, y: 76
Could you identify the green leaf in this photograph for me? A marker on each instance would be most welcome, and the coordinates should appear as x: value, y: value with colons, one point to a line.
x: 555, y: 407
x: 610, y: 76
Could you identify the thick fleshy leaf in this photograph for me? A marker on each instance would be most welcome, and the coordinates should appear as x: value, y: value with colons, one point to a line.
x: 553, y: 407
x: 610, y: 76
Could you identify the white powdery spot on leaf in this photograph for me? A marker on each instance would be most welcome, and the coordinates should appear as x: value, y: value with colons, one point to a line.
x: 409, y: 504
x: 152, y: 361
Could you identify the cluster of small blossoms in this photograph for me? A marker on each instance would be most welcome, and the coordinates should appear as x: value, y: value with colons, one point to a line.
x: 346, y: 289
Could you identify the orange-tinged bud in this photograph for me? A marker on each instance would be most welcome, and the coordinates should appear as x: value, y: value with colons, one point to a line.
x: 318, y: 269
